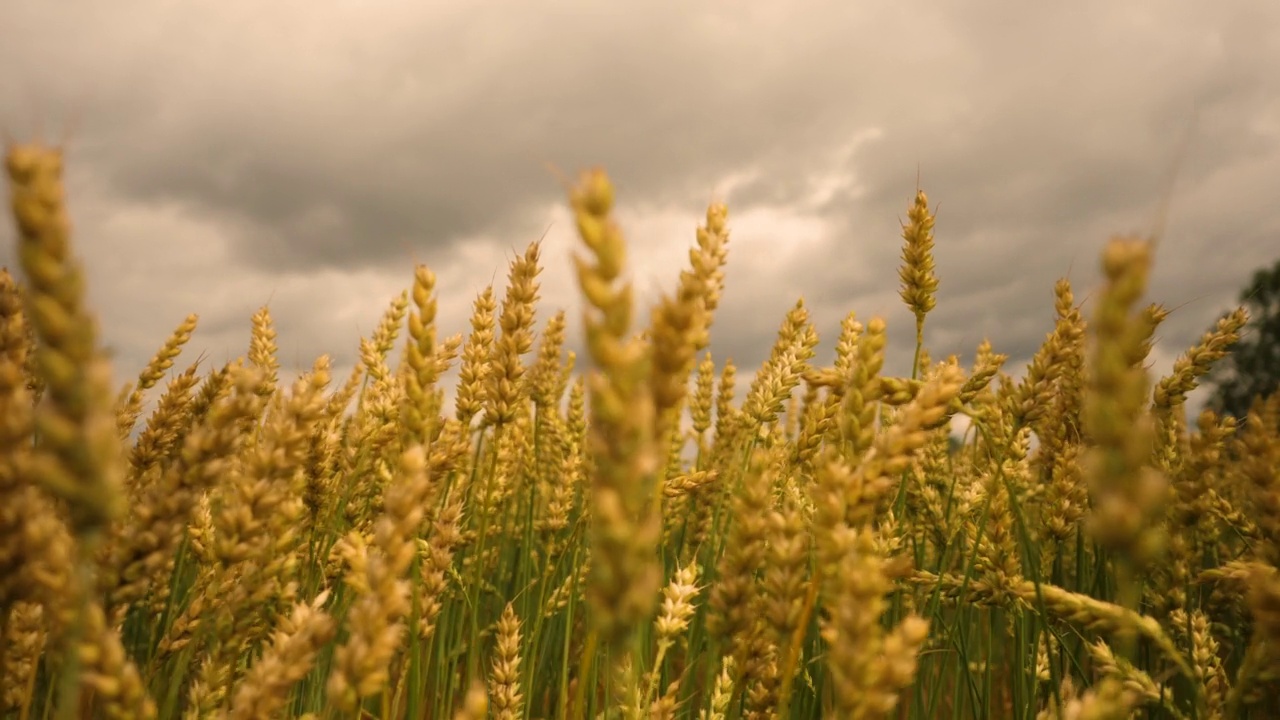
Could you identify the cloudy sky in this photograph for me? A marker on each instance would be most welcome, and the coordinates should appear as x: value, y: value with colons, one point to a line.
x: 224, y: 155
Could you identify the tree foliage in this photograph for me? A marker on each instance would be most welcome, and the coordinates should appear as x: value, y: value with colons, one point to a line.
x: 1252, y: 369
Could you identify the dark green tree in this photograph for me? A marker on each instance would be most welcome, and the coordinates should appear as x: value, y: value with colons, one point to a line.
x: 1252, y: 369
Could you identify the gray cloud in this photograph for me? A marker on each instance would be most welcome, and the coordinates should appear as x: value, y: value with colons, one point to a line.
x: 305, y: 154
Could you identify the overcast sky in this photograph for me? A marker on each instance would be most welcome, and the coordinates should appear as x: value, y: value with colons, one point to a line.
x: 223, y: 155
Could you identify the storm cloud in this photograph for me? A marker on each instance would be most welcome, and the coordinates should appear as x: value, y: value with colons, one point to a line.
x: 226, y: 155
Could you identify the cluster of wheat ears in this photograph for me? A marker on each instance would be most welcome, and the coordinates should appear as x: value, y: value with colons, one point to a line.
x: 626, y: 541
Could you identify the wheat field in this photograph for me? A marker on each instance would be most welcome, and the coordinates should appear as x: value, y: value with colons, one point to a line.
x: 617, y: 536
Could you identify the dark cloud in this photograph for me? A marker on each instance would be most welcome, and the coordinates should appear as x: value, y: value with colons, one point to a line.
x: 233, y: 154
